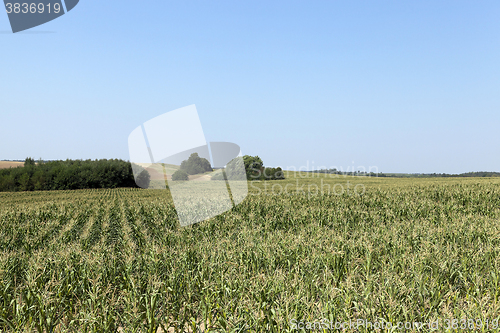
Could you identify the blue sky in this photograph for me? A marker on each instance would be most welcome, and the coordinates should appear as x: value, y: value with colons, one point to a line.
x: 403, y: 86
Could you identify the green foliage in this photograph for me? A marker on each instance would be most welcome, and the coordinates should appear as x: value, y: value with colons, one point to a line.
x: 68, y: 175
x: 234, y: 170
x: 24, y: 182
x: 408, y: 250
x: 143, y: 178
x: 29, y: 162
x: 195, y: 165
x: 256, y: 170
x: 272, y: 174
x: 180, y: 175
x: 253, y: 167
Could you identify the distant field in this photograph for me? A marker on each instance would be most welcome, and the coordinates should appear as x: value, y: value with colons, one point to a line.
x: 157, y: 171
x: 8, y: 164
x: 404, y: 250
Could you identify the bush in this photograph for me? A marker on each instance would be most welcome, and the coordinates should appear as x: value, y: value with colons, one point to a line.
x: 272, y: 174
x: 180, y: 175
x: 195, y: 165
x: 143, y: 179
x: 253, y: 167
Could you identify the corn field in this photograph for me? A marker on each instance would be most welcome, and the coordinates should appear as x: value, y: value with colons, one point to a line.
x: 118, y: 261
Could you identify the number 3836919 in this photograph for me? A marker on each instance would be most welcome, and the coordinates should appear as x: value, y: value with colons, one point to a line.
x: 32, y: 8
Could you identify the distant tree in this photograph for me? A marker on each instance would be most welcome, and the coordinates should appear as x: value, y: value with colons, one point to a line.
x: 253, y: 167
x: 29, y: 162
x: 38, y: 180
x: 143, y: 179
x: 273, y: 173
x: 180, y: 175
x: 24, y: 182
x: 195, y: 165
x: 234, y: 170
x: 7, y: 183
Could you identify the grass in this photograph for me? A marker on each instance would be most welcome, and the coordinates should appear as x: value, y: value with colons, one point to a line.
x: 405, y: 250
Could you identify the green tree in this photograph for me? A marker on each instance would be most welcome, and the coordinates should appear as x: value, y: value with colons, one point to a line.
x: 235, y: 169
x: 253, y: 167
x: 24, y: 182
x: 273, y: 174
x: 180, y: 175
x: 195, y: 165
x: 143, y: 179
x: 38, y: 180
x: 29, y: 162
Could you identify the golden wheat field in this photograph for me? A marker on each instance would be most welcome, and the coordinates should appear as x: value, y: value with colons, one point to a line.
x: 9, y: 164
x: 294, y: 253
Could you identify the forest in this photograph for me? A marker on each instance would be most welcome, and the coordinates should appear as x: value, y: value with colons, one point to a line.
x: 67, y: 175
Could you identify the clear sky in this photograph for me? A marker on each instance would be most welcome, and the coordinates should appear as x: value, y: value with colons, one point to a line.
x: 406, y: 86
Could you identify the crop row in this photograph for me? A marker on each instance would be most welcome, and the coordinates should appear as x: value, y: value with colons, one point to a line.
x: 116, y: 260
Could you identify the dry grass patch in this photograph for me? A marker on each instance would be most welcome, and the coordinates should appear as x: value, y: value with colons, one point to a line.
x: 9, y: 164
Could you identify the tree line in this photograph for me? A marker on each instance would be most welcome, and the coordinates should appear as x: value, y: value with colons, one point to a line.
x: 405, y: 175
x: 67, y: 175
x: 85, y: 174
